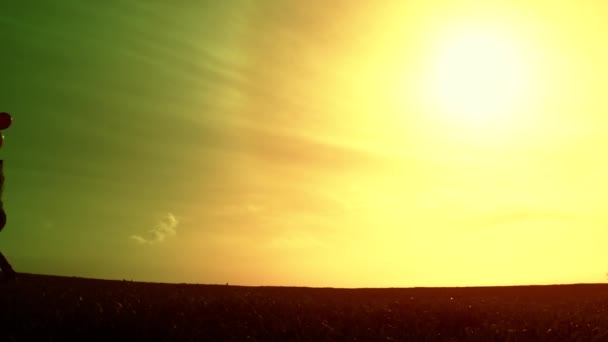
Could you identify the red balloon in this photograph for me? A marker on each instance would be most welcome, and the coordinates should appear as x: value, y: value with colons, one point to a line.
x: 5, y: 120
x: 1, y: 139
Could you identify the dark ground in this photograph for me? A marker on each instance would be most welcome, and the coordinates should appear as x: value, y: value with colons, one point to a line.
x: 50, y: 308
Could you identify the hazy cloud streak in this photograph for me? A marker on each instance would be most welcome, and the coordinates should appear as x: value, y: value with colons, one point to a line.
x: 165, y: 228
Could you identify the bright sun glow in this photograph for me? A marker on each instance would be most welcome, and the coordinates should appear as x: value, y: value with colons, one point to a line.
x: 477, y: 76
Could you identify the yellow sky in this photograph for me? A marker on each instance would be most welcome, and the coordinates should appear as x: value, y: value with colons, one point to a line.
x: 406, y: 191
x: 359, y: 167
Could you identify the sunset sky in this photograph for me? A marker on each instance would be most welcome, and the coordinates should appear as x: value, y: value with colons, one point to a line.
x: 309, y: 143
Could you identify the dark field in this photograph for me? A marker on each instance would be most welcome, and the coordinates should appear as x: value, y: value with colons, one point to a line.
x: 45, y: 308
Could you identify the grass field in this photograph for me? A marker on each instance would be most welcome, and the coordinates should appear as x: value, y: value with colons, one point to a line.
x: 51, y: 308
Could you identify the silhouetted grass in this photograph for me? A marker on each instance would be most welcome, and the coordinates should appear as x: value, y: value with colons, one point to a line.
x: 45, y: 308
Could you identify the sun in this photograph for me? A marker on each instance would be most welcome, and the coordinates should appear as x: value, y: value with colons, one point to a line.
x: 476, y: 75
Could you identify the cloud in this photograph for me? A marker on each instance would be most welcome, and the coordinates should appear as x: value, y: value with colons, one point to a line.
x: 138, y: 239
x: 163, y: 229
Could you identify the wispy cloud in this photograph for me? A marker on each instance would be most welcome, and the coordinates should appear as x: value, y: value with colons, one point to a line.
x: 163, y: 229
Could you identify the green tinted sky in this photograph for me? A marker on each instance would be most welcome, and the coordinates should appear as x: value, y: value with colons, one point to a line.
x: 284, y: 142
x: 128, y: 115
x: 120, y: 115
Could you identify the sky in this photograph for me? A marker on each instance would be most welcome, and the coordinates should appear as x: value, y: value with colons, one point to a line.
x: 307, y: 143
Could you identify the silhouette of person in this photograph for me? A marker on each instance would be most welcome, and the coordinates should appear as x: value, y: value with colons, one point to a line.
x: 7, y: 271
x: 5, y: 267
